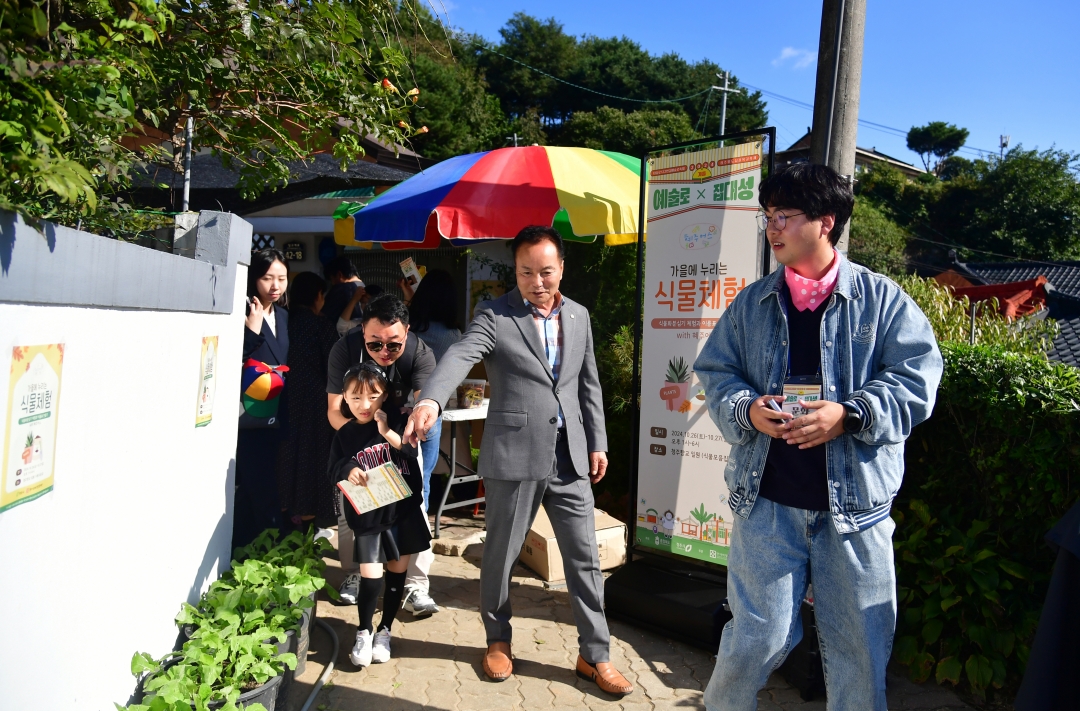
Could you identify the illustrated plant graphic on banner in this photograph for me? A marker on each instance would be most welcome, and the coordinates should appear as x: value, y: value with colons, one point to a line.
x: 30, y: 436
x: 704, y: 248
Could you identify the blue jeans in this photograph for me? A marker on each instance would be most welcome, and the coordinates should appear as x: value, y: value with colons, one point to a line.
x: 430, y: 449
x: 774, y: 554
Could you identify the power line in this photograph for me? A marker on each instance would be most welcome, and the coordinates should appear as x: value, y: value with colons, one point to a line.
x: 585, y: 88
x: 780, y: 97
x: 869, y: 124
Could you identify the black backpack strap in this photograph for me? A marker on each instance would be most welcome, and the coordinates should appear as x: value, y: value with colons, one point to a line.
x: 354, y: 344
x: 404, y: 364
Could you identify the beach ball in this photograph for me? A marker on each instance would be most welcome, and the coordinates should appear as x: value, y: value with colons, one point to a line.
x: 260, y: 386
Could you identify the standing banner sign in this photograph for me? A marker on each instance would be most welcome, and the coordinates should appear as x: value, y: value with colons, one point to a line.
x: 30, y: 435
x: 704, y: 247
x: 204, y: 407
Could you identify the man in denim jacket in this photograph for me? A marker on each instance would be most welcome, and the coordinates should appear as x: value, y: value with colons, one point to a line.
x: 811, y: 486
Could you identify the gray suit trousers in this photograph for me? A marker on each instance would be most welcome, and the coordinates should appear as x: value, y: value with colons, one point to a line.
x: 511, y: 508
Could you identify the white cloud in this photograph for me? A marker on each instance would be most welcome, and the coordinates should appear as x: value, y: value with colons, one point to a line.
x: 800, y: 58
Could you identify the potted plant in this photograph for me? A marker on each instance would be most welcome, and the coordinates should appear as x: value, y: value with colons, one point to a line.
x: 230, y: 663
x: 678, y: 376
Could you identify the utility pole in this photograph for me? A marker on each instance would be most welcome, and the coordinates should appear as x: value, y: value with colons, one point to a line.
x: 513, y: 138
x: 189, y: 129
x: 1003, y: 141
x: 836, y: 96
x: 723, y: 105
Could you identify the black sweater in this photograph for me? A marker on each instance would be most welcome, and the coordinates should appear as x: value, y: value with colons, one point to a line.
x: 355, y: 439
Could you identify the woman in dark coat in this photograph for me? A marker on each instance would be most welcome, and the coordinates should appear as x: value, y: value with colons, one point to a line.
x: 266, y: 339
x: 301, y: 467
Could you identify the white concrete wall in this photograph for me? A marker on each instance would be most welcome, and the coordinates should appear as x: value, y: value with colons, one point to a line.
x: 140, y: 517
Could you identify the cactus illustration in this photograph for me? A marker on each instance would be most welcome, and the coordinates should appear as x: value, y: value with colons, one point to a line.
x: 677, y: 371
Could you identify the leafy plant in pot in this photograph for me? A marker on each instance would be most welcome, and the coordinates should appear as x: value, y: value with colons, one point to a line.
x: 227, y: 655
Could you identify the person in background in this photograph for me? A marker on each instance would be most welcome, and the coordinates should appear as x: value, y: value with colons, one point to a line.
x: 433, y: 317
x: 302, y: 489
x: 383, y: 339
x: 344, y: 283
x: 360, y: 299
x: 266, y: 339
x: 386, y: 536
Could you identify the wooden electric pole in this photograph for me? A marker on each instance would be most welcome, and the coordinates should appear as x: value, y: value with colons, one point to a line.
x: 836, y: 97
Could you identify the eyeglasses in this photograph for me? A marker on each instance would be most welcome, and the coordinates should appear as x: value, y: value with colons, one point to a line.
x: 391, y: 347
x: 779, y: 218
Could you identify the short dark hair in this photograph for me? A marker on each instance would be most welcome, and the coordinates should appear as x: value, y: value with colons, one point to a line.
x: 260, y: 265
x: 367, y: 375
x: 340, y: 264
x: 388, y: 308
x: 817, y: 190
x: 305, y: 288
x: 535, y: 234
x: 435, y: 300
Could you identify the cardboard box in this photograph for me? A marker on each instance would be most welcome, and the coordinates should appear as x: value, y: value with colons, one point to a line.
x: 541, y: 550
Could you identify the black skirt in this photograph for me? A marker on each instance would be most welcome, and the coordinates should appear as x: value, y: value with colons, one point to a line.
x: 408, y: 536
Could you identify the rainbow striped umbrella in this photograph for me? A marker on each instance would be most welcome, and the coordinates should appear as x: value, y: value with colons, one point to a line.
x: 492, y: 195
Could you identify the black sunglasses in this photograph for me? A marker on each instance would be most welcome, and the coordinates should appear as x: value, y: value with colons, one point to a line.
x: 376, y: 346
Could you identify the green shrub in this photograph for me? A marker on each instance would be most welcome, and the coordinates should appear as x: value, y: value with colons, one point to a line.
x: 950, y: 318
x: 987, y: 476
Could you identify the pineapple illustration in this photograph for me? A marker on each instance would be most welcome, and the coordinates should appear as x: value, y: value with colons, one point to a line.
x: 678, y: 376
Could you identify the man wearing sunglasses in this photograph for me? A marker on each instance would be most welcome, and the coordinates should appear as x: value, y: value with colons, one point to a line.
x: 815, y: 375
x: 383, y: 338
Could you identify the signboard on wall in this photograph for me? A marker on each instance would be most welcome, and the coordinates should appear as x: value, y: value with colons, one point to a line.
x: 294, y: 251
x: 703, y: 249
x: 30, y: 435
x: 208, y: 364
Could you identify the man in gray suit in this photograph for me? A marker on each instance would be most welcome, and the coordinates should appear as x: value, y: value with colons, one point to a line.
x: 544, y: 442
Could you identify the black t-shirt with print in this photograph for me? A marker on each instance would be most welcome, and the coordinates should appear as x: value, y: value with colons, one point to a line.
x: 354, y: 439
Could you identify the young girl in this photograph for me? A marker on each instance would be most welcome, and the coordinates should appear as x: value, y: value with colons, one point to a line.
x: 386, y: 535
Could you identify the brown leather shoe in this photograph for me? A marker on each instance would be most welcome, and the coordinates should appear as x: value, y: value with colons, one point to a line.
x: 606, y: 677
x: 497, y: 661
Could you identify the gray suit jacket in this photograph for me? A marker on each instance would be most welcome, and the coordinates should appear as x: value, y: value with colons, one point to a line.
x: 519, y: 436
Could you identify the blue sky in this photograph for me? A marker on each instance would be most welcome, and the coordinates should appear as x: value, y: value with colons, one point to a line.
x: 992, y: 67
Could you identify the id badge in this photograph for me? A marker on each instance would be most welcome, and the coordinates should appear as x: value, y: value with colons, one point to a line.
x: 804, y: 389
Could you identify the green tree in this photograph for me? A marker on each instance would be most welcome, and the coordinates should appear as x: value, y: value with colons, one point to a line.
x: 633, y: 133
x: 938, y: 139
x: 541, y: 44
x: 626, y: 76
x: 876, y: 241
x: 90, y: 87
x: 1026, y: 205
x: 66, y: 100
x: 455, y: 106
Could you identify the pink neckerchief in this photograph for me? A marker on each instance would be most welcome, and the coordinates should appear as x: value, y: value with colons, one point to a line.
x: 811, y: 293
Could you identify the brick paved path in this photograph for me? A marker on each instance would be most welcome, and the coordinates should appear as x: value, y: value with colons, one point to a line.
x: 436, y: 662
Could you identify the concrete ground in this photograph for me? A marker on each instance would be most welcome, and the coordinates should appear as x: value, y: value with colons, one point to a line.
x: 437, y: 661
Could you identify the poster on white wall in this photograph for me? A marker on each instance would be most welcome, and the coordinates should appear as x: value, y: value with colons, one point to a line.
x: 204, y: 407
x: 703, y: 249
x: 30, y: 435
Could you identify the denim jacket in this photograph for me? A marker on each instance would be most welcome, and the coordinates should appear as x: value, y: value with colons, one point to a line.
x: 878, y: 353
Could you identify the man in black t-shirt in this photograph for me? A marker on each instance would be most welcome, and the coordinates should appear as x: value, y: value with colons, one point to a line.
x: 383, y: 337
x: 344, y: 281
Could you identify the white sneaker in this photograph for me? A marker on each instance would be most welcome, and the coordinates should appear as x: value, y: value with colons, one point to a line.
x: 380, y: 652
x: 350, y: 589
x: 419, y: 602
x: 361, y: 651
